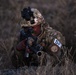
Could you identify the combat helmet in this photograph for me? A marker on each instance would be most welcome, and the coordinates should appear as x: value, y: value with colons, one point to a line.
x: 31, y: 17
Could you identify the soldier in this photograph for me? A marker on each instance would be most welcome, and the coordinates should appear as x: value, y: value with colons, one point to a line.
x: 31, y: 28
x: 38, y: 31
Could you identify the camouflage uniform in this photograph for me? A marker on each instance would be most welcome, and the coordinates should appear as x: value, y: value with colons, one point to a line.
x: 54, y: 40
x: 51, y: 39
x: 48, y: 33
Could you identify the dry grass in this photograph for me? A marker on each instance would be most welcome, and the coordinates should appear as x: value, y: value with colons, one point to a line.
x: 60, y: 14
x: 67, y: 67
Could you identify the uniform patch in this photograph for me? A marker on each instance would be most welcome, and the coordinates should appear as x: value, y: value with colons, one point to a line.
x: 57, y: 42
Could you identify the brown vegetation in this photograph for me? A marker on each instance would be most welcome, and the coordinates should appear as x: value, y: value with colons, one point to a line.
x: 60, y: 14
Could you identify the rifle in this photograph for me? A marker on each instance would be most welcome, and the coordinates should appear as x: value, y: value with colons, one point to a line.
x: 34, y: 46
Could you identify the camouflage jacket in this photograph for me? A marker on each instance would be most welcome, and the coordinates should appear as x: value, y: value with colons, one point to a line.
x: 53, y: 38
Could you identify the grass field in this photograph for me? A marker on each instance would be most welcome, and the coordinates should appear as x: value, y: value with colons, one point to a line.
x: 60, y: 14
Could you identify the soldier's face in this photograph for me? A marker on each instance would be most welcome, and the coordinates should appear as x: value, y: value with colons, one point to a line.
x: 37, y: 29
